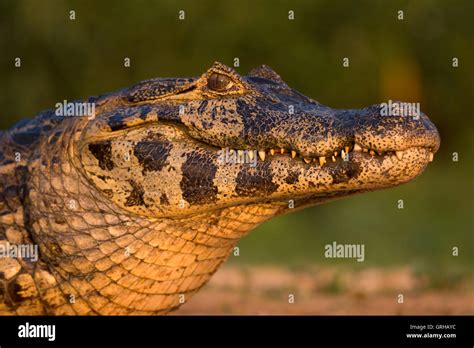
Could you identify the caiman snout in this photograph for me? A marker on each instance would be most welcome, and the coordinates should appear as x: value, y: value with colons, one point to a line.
x: 314, y: 131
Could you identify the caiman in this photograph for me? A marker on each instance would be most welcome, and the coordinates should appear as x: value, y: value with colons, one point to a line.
x: 132, y: 210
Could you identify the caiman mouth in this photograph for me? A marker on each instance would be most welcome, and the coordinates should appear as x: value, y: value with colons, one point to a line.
x: 343, y: 154
x: 162, y: 169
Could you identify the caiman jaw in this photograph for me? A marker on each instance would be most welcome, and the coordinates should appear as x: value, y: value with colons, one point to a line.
x: 343, y: 154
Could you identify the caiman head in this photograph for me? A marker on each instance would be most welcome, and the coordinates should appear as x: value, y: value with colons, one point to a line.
x: 139, y: 205
x: 185, y: 146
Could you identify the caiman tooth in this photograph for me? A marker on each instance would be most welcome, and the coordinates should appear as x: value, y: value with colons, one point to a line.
x: 365, y: 150
x: 293, y: 153
x: 272, y: 152
x: 307, y: 160
x: 335, y: 153
x: 240, y: 153
x: 333, y: 159
x: 343, y: 154
x: 357, y: 148
x: 394, y: 158
x: 431, y: 156
x: 372, y: 152
x: 346, y: 148
x: 261, y: 154
x: 282, y: 151
x: 399, y: 154
x: 251, y: 155
x: 322, y: 160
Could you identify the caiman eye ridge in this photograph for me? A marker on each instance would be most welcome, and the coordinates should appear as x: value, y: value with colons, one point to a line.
x: 341, y: 154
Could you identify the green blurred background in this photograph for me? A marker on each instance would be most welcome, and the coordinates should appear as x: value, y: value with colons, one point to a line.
x: 408, y: 60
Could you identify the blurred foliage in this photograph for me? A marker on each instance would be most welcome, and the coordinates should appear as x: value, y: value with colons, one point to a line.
x: 408, y: 59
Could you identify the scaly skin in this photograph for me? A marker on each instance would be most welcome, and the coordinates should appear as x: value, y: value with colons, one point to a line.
x: 134, y: 210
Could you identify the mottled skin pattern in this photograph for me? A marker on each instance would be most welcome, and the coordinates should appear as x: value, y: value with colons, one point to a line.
x: 133, y: 211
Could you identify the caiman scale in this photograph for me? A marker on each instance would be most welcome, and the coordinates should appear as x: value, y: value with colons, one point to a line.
x: 134, y: 209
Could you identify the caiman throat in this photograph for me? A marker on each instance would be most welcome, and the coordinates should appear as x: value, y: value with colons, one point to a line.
x: 132, y: 210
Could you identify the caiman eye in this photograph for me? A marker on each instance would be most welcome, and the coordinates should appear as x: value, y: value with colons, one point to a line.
x: 219, y: 82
